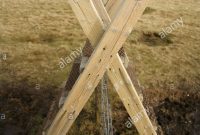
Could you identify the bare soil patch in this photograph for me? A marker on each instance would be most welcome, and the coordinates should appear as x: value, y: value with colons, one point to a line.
x: 177, y: 112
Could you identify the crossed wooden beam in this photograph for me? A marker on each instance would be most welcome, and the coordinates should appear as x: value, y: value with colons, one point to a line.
x: 107, y: 24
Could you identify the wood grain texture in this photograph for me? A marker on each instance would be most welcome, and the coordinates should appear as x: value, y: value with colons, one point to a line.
x: 108, y: 44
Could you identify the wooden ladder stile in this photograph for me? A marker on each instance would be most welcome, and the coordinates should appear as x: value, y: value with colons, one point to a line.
x: 107, y: 27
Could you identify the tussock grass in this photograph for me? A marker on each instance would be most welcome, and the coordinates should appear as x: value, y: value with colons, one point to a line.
x: 36, y: 34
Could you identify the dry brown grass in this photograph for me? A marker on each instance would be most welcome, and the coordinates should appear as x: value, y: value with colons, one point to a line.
x: 36, y: 33
x: 49, y: 26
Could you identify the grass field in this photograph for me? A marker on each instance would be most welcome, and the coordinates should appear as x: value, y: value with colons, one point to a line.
x: 35, y: 34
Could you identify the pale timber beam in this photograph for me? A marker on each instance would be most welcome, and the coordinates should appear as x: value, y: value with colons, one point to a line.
x: 124, y: 86
x: 144, y: 126
x: 108, y: 46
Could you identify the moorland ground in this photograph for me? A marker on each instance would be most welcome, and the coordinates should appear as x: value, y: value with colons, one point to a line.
x: 34, y: 35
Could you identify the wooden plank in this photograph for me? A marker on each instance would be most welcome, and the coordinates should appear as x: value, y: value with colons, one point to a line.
x: 90, y: 20
x: 125, y: 89
x: 99, y: 5
x: 84, y: 88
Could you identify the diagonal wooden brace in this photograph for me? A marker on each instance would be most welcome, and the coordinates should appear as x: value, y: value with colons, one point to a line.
x: 101, y: 59
x: 123, y: 85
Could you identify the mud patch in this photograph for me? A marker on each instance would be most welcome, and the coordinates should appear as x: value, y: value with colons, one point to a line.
x: 180, y: 117
x: 149, y: 10
x: 176, y: 111
x: 154, y: 39
x: 25, y: 108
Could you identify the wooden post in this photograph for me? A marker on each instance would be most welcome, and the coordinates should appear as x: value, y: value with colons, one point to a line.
x: 107, y: 28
